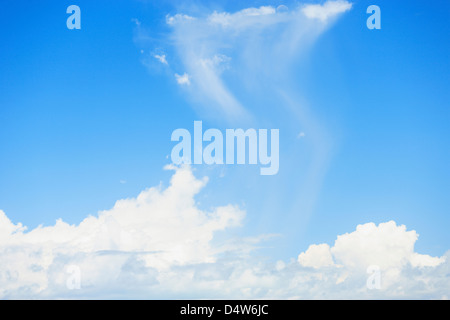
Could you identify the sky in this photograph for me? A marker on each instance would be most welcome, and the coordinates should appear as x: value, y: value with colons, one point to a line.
x: 86, y: 178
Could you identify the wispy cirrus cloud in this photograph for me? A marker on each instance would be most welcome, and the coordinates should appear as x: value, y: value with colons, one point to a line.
x: 240, y: 68
x: 260, y: 43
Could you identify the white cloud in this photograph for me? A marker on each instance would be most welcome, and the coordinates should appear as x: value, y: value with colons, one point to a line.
x: 325, y: 11
x: 241, y: 18
x: 161, y: 58
x: 183, y: 80
x: 386, y: 245
x: 161, y: 245
x: 161, y: 228
x: 316, y: 256
x: 178, y: 18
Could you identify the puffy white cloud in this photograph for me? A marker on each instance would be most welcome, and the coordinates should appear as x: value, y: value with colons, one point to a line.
x: 160, y: 228
x: 386, y: 245
x: 7, y: 228
x: 161, y: 245
x: 316, y: 256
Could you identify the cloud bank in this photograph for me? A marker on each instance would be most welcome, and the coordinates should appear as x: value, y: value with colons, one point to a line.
x: 162, y: 245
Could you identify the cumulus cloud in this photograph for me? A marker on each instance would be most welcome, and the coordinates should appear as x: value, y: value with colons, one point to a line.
x: 162, y: 245
x: 159, y: 229
x: 386, y: 245
x: 316, y: 256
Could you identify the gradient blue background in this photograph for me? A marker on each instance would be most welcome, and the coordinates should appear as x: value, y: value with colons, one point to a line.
x: 79, y: 112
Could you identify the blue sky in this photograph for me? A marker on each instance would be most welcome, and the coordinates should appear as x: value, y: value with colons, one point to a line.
x: 86, y: 116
